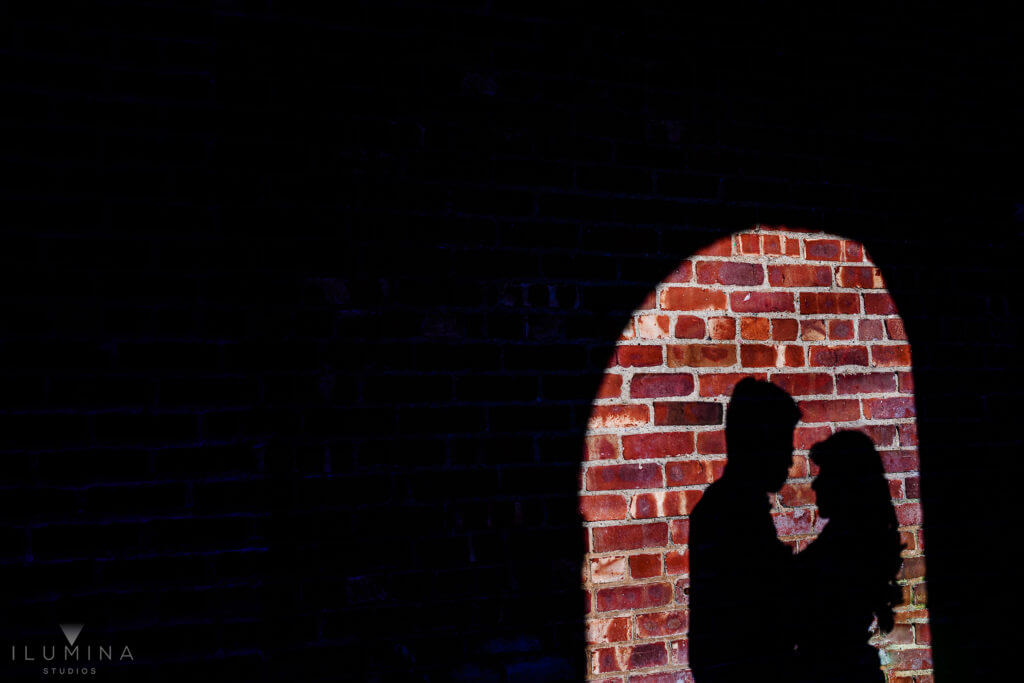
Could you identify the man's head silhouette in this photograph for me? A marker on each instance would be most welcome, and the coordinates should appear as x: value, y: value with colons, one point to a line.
x: 759, y: 427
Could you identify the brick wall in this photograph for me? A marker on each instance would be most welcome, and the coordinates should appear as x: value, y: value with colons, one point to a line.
x: 304, y: 308
x: 805, y: 310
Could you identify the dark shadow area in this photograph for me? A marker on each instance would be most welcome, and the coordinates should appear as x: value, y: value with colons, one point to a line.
x: 304, y: 310
x: 846, y: 578
x: 741, y: 575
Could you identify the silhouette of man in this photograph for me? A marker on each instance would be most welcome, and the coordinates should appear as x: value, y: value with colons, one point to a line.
x: 739, y: 570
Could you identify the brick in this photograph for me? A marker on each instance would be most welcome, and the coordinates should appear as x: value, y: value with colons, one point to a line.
x: 805, y: 437
x: 784, y: 329
x: 906, y: 382
x: 680, y: 531
x: 902, y: 634
x: 607, y: 569
x: 802, y: 383
x: 800, y: 467
x: 749, y: 243
x: 652, y: 326
x: 644, y: 566
x: 701, y: 355
x: 824, y: 303
x: 755, y: 328
x: 629, y: 536
x: 722, y: 328
x: 911, y: 615
x: 601, y: 447
x: 793, y: 522
x: 633, y: 356
x: 890, y: 356
x: 657, y: 385
x: 797, y: 493
x: 762, y: 302
x: 657, y: 445
x: 771, y: 244
x: 908, y: 434
x: 629, y: 476
x: 869, y: 330
x: 836, y: 356
x: 895, y: 329
x: 668, y: 623
x: 689, y: 327
x: 843, y: 410
x: 688, y: 473
x: 607, y: 630
x: 687, y: 413
x: 729, y: 273
x: 813, y: 330
x: 912, y: 659
x: 866, y: 383
x: 610, y: 659
x: 888, y: 408
x: 682, y: 273
x: 799, y: 276
x: 763, y: 355
x: 611, y: 386
x: 861, y: 277
x: 792, y: 246
x: 677, y: 562
x: 908, y: 514
x: 682, y: 591
x: 721, y: 384
x: 663, y: 504
x: 823, y: 250
x: 617, y: 416
x: 852, y: 252
x: 840, y: 330
x: 879, y: 304
x: 711, y: 443
x: 604, y: 507
x: 647, y: 655
x: 692, y: 299
x: 894, y: 462
x: 633, y: 597
x: 680, y: 655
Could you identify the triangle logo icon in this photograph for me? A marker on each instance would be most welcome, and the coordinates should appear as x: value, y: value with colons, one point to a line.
x: 71, y: 631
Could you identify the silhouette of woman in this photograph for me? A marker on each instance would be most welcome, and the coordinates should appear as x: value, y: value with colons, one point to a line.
x: 847, y: 576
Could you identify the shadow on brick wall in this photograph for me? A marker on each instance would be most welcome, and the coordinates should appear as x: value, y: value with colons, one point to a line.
x: 304, y: 313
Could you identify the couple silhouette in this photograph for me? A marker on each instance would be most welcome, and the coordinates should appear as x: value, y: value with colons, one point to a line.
x: 757, y: 611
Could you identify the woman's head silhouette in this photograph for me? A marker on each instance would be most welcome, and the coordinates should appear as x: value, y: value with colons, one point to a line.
x: 852, y: 492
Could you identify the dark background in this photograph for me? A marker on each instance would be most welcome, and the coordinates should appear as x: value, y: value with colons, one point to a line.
x: 302, y: 311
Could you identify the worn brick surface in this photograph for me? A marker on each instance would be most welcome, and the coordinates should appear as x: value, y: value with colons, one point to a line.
x: 305, y: 307
x: 849, y: 385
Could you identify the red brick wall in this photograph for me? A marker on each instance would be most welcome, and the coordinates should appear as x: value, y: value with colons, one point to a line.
x: 805, y: 310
